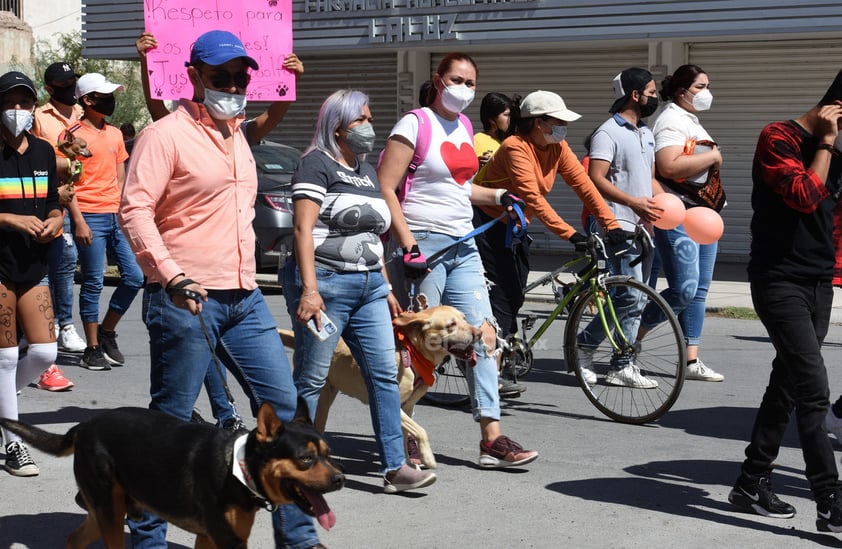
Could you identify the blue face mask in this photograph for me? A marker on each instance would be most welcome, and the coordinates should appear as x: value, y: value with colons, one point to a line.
x: 559, y: 133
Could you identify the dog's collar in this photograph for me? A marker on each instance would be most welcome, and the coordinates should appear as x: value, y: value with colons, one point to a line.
x: 422, y: 365
x: 240, y: 470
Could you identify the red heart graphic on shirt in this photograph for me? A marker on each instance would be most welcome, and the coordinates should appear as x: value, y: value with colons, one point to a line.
x: 461, y: 162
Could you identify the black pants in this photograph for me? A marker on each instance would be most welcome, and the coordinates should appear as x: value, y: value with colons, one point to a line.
x: 796, y: 316
x: 506, y: 268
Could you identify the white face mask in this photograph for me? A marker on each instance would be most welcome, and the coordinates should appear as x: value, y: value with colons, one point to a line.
x: 702, y: 100
x: 17, y: 121
x: 224, y: 106
x: 456, y: 98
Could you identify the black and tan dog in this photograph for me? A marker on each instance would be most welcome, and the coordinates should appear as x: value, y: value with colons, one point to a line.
x: 428, y: 336
x: 201, y: 478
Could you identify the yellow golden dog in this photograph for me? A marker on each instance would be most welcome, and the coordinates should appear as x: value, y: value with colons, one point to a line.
x: 432, y: 334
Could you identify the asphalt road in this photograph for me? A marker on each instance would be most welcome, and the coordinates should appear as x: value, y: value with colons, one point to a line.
x: 597, y: 483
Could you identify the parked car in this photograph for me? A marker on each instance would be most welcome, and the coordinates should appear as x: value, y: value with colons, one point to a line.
x: 273, y: 207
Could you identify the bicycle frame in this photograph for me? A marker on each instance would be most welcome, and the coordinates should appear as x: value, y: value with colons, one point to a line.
x: 588, y: 279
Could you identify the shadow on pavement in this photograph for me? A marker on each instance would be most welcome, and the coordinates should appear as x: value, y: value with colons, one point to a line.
x: 46, y: 530
x: 668, y: 487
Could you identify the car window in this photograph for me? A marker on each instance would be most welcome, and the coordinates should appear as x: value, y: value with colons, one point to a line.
x: 275, y: 159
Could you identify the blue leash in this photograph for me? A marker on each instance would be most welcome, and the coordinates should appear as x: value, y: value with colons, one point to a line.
x: 511, y: 232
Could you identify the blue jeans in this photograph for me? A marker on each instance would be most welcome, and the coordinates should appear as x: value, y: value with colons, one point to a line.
x: 688, y: 268
x: 457, y: 279
x: 107, y: 235
x: 356, y: 303
x: 245, y: 337
x: 63, y: 258
x: 628, y: 303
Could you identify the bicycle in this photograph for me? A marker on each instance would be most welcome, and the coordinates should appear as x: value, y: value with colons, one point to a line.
x: 661, y: 356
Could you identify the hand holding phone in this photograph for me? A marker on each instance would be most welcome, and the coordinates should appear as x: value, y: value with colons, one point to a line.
x: 328, y: 327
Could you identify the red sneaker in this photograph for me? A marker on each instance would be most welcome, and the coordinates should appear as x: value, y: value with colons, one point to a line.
x: 52, y: 379
x: 504, y: 452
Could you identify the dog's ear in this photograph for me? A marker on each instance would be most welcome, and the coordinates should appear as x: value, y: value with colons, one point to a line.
x: 302, y: 412
x: 408, y: 319
x: 268, y: 424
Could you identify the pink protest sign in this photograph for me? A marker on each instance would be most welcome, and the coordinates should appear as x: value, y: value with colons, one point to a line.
x: 264, y: 26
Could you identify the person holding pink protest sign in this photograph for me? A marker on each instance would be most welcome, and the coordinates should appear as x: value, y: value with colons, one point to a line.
x: 256, y: 129
x: 187, y: 208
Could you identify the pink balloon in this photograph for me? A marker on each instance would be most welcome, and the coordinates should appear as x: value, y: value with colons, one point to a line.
x: 703, y: 225
x: 673, y: 214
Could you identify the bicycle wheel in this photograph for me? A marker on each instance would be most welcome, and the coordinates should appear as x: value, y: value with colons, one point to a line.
x: 517, y: 356
x: 659, y: 359
x: 450, y: 388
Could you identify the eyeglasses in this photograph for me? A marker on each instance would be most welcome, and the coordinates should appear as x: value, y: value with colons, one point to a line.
x: 223, y: 80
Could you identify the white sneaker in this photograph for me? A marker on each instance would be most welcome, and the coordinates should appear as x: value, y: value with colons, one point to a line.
x: 584, y: 357
x: 697, y: 370
x: 69, y: 341
x: 630, y: 376
x: 833, y: 425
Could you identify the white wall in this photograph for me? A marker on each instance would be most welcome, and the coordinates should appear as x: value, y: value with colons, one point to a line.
x: 49, y: 19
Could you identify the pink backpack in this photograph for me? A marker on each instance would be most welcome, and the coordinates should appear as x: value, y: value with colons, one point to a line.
x: 422, y: 147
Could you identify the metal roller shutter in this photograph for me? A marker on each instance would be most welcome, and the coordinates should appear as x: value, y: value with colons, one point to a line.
x: 582, y: 77
x: 754, y: 83
x: 374, y: 74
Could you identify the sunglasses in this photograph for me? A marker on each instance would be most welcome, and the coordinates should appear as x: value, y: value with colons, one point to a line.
x: 223, y: 79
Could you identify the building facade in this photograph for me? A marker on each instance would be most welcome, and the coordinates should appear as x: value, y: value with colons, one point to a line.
x: 766, y: 61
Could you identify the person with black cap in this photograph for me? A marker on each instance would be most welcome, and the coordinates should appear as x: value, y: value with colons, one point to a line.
x: 52, y: 119
x: 187, y: 209
x: 622, y: 166
x: 30, y: 218
x: 797, y: 182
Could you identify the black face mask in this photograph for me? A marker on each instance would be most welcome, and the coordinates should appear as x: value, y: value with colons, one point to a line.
x: 103, y: 105
x: 65, y: 95
x: 650, y: 107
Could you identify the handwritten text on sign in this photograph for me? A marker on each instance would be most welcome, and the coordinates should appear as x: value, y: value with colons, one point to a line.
x: 264, y: 26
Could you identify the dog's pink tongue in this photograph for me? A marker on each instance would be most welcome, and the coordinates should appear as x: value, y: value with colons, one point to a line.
x: 472, y: 361
x: 323, y: 513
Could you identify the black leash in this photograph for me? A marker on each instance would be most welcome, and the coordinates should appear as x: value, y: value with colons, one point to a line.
x: 179, y: 289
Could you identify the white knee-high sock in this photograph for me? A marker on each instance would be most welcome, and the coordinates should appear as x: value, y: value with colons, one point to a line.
x: 38, y: 358
x: 8, y: 392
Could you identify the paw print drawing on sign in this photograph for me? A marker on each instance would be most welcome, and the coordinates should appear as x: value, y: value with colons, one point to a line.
x: 273, y: 3
x: 159, y: 92
x: 282, y: 90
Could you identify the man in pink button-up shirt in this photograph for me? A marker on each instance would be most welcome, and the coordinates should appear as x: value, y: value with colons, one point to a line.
x: 187, y: 211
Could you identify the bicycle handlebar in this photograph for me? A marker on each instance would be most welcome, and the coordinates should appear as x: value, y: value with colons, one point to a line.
x: 596, y: 247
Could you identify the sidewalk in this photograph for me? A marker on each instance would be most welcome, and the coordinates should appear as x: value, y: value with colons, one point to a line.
x: 730, y: 287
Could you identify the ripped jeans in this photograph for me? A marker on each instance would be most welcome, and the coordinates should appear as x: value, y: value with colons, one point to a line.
x: 457, y: 279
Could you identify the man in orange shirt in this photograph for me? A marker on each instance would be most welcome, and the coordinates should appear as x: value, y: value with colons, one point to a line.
x: 94, y: 221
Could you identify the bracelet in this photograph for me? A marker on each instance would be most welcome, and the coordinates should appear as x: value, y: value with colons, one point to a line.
x: 390, y: 287
x: 829, y: 148
x: 308, y: 294
x: 499, y: 195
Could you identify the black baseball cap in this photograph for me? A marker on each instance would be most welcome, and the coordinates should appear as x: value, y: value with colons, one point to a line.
x: 633, y: 79
x: 16, y: 79
x: 59, y: 73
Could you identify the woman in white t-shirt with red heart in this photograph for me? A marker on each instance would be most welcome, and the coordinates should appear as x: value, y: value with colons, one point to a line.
x: 434, y: 213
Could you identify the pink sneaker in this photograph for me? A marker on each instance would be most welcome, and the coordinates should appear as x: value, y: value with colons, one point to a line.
x: 52, y: 379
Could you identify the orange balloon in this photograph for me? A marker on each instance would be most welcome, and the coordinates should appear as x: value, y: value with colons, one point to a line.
x: 673, y: 214
x: 703, y: 225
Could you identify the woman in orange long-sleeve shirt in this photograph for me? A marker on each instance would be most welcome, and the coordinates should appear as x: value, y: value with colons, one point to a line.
x: 527, y: 164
